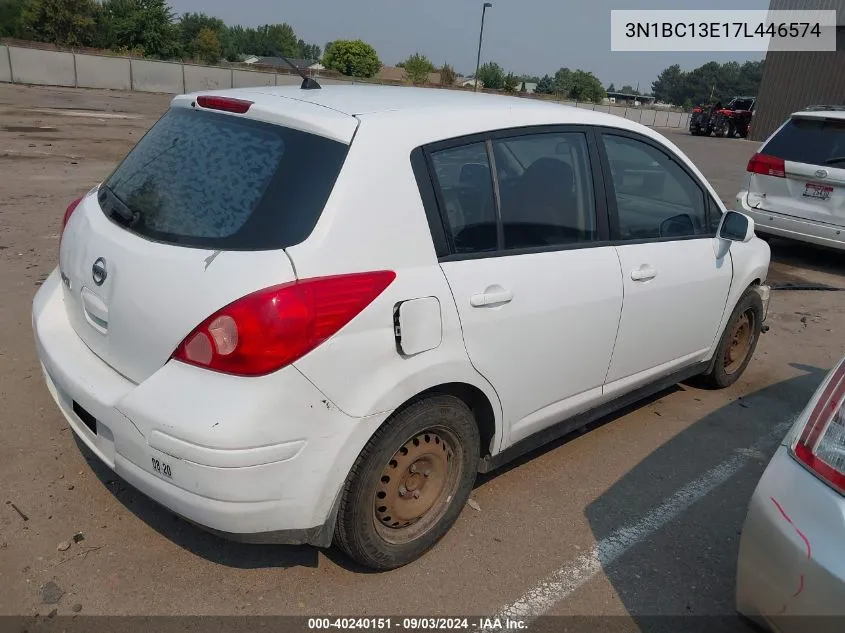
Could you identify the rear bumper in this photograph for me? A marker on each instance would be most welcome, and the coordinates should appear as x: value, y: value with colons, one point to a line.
x: 793, y: 228
x: 790, y: 571
x: 261, y: 460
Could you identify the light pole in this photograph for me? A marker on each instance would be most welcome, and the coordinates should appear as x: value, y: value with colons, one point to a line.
x: 487, y: 5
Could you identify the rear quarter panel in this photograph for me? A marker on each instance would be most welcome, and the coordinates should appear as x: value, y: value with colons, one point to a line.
x: 375, y: 220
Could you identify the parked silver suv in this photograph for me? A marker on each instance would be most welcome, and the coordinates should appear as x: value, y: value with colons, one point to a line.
x: 796, y: 183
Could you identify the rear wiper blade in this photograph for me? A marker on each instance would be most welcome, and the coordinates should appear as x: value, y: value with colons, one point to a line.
x: 118, y: 207
x: 837, y: 159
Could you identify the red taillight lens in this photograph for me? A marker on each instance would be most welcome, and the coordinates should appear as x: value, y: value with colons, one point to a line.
x: 269, y: 329
x: 697, y: 110
x: 821, y: 446
x: 227, y: 104
x: 767, y: 166
x: 68, y: 212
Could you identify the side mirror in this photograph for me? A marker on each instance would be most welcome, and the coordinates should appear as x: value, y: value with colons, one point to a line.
x: 736, y: 227
x: 677, y: 226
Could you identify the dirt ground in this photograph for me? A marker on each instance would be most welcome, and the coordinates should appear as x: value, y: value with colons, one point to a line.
x: 528, y: 522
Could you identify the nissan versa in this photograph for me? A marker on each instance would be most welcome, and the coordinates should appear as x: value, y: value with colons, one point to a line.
x: 312, y: 315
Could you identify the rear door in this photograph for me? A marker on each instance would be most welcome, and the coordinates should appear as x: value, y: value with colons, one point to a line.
x: 536, y: 284
x: 195, y: 217
x: 813, y: 184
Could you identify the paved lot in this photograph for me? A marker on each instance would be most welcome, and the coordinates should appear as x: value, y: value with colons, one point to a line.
x: 640, y: 515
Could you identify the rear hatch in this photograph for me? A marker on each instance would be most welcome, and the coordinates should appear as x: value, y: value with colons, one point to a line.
x: 810, y: 183
x: 196, y: 216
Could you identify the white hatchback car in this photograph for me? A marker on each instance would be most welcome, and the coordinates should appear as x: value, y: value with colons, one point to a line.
x: 796, y: 183
x: 313, y: 315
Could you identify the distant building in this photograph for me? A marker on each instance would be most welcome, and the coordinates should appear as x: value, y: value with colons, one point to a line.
x: 629, y: 99
x: 794, y: 80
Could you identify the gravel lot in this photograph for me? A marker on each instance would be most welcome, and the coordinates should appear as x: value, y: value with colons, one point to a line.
x: 547, y: 531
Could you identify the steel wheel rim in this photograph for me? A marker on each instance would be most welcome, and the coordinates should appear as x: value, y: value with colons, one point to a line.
x: 741, y: 340
x: 416, y: 485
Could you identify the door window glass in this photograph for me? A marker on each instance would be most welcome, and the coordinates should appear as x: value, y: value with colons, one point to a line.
x: 545, y: 190
x: 655, y: 197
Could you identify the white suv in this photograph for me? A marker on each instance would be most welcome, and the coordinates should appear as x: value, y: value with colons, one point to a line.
x: 313, y: 315
x: 796, y: 183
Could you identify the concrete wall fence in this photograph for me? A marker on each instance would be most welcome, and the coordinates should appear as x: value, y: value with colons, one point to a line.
x: 55, y: 68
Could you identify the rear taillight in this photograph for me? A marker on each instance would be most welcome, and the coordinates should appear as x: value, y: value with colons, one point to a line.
x: 68, y: 212
x: 821, y: 445
x: 269, y: 329
x: 226, y: 104
x: 767, y: 165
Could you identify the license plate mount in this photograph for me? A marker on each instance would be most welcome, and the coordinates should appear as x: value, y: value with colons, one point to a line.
x: 817, y: 191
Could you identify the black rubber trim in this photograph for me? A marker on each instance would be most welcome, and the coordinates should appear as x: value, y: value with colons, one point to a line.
x: 564, y: 427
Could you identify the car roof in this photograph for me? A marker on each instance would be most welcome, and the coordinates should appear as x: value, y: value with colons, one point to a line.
x: 410, y: 104
x: 819, y: 112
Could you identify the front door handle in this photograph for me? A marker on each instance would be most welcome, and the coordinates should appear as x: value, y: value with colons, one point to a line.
x: 490, y: 298
x: 643, y: 273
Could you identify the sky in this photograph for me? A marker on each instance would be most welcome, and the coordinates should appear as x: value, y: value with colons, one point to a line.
x: 531, y: 37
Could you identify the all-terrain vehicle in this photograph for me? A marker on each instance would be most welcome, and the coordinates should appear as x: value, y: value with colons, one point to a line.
x: 734, y: 119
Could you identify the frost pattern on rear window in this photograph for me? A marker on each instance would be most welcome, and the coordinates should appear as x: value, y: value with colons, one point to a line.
x: 198, y: 176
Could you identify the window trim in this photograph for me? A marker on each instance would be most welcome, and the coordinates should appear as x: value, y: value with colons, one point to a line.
x: 435, y: 205
x: 610, y: 192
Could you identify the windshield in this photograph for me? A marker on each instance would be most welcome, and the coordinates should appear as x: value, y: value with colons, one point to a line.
x: 218, y: 181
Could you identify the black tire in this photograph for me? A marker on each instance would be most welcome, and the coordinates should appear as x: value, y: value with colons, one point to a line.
x: 364, y: 531
x: 726, y: 368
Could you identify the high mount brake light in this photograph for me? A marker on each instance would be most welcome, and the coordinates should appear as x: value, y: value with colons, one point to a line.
x: 226, y: 104
x: 272, y: 328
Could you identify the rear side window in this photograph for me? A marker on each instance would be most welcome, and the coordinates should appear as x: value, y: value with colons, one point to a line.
x: 811, y: 141
x: 218, y: 181
x: 466, y: 190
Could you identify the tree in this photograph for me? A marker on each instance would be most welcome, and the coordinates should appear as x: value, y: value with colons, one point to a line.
x: 308, y: 51
x: 417, y: 67
x: 563, y: 82
x: 511, y: 82
x: 354, y: 58
x: 611, y: 88
x: 668, y: 83
x: 491, y: 76
x: 11, y: 16
x: 722, y: 81
x: 207, y: 46
x: 448, y: 76
x: 189, y: 27
x: 546, y: 86
x: 63, y: 22
x: 522, y: 87
x: 141, y: 25
x: 585, y: 86
x: 629, y: 90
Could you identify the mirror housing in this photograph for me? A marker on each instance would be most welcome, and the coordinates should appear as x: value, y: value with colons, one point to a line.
x: 736, y: 227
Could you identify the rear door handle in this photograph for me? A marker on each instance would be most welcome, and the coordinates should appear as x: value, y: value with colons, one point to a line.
x: 643, y: 273
x: 491, y: 298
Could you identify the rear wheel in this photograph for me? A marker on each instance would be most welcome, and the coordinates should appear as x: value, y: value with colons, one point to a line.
x: 738, y: 342
x: 409, y: 484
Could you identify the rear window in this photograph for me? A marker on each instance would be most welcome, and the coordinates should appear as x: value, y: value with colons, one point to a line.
x: 218, y: 181
x: 812, y: 141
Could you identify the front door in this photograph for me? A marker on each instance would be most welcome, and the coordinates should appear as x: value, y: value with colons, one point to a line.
x: 675, y: 286
x: 538, y: 293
